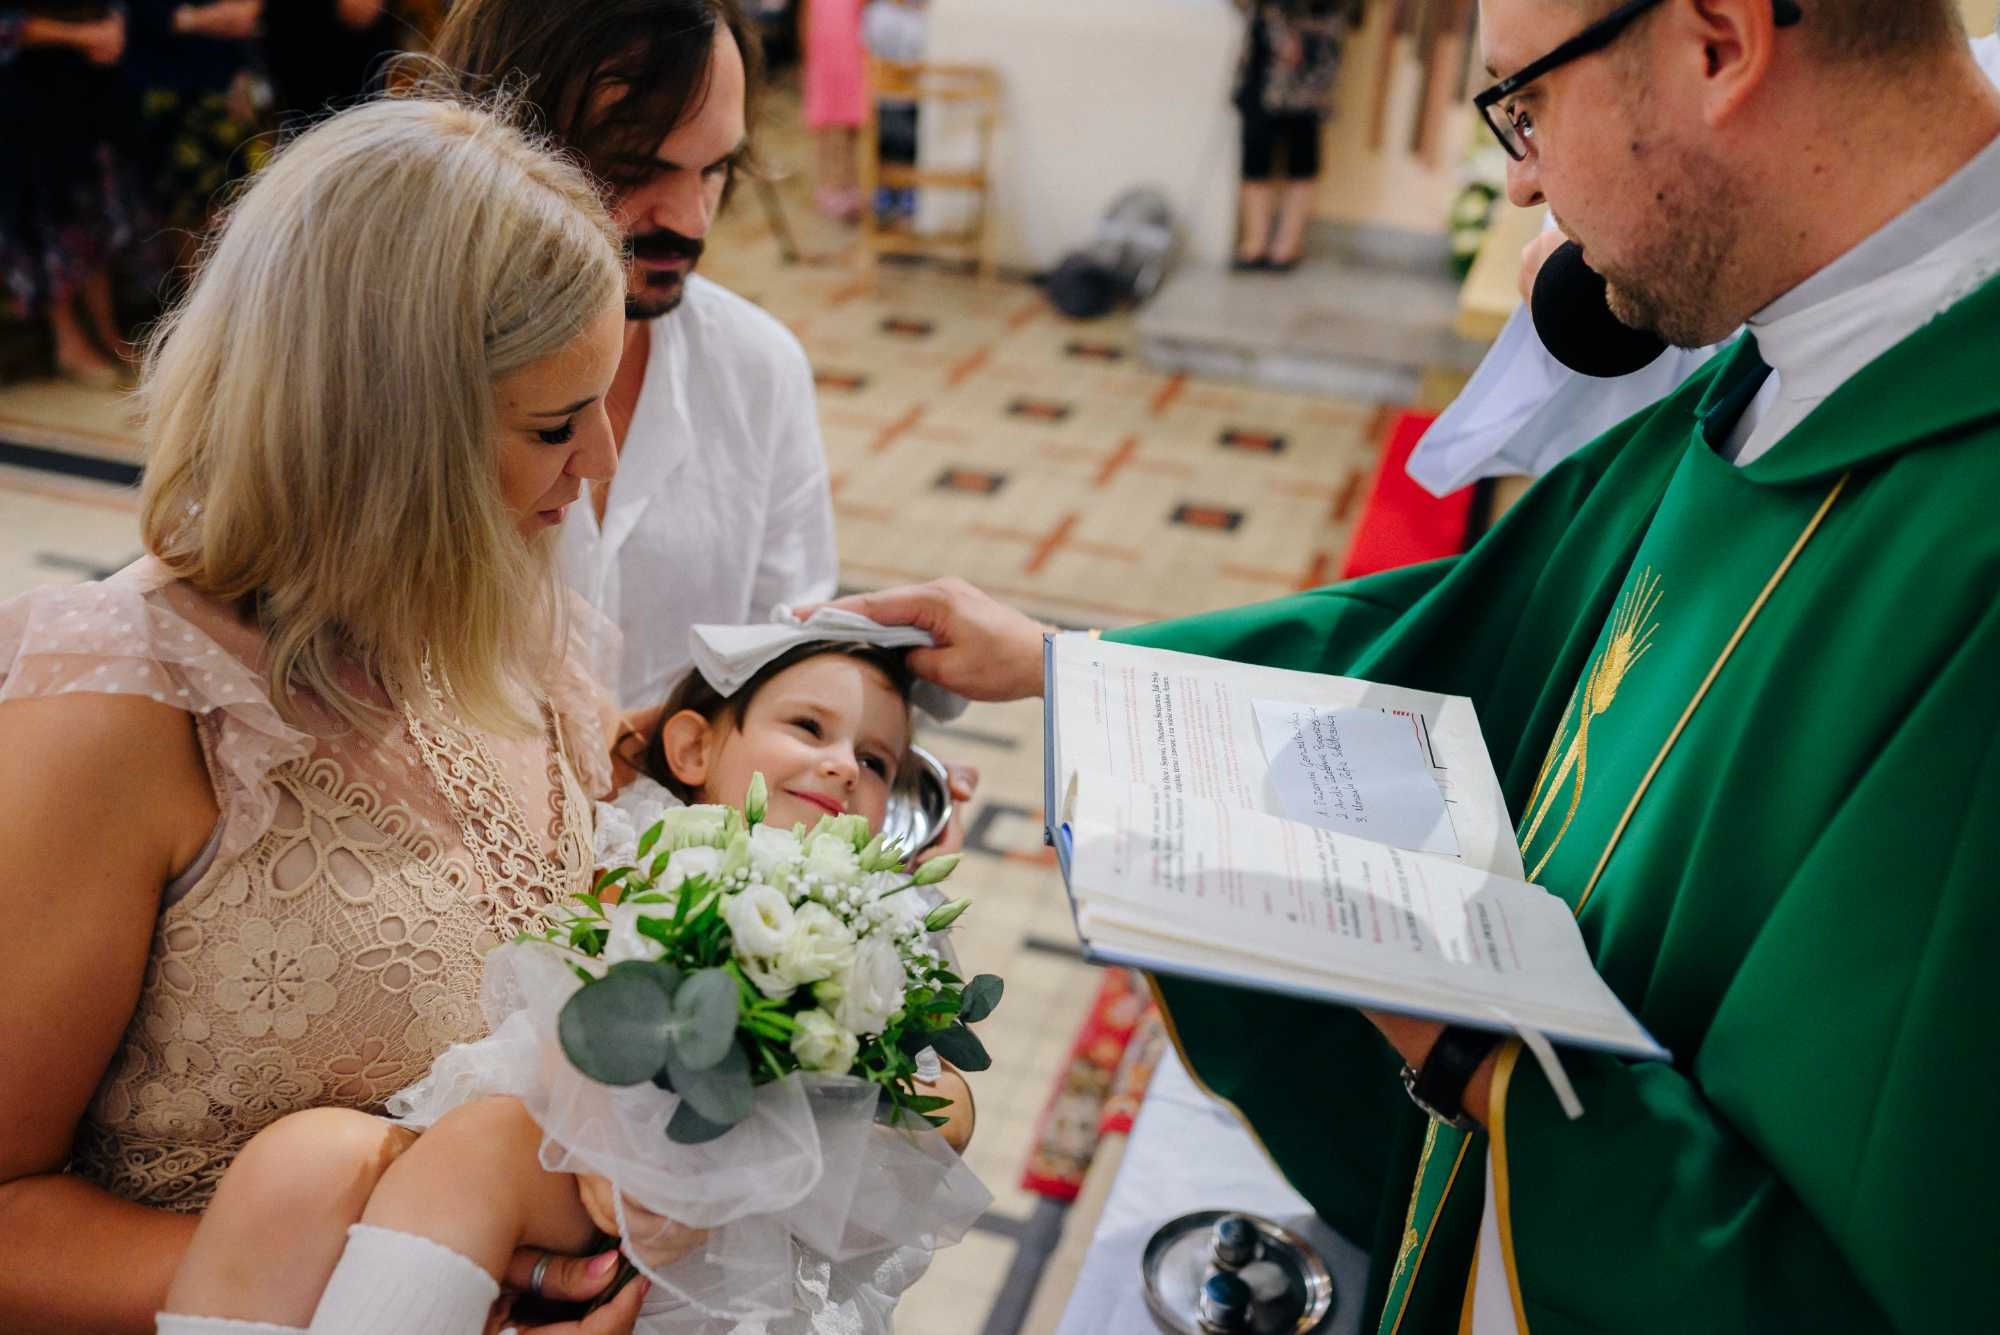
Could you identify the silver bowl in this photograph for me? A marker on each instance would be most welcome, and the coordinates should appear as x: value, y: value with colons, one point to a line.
x: 920, y: 804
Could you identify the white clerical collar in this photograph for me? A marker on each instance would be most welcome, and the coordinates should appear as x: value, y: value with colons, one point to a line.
x: 1970, y: 196
x: 1829, y: 327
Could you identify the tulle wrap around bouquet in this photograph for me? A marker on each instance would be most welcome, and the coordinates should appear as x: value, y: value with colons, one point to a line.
x: 737, y: 1042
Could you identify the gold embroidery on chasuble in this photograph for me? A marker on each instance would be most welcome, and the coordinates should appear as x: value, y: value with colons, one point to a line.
x: 1409, y: 1246
x: 1632, y: 627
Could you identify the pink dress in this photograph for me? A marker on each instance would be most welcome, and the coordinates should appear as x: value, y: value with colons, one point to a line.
x: 836, y: 84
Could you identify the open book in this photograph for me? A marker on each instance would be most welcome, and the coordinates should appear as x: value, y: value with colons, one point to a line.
x: 1314, y: 835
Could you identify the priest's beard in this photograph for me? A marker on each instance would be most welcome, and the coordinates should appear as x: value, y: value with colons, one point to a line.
x: 1677, y: 282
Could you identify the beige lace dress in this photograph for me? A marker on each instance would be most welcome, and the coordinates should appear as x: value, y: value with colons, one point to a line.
x: 327, y: 945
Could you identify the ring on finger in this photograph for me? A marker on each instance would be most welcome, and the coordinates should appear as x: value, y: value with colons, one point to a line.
x: 539, y: 1273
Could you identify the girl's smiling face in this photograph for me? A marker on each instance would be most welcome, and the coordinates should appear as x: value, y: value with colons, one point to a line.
x: 827, y: 734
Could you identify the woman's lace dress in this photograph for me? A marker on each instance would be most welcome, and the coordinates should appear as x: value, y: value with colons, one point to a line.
x: 332, y: 947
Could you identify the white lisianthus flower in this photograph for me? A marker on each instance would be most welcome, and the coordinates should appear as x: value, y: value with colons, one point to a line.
x: 683, y: 863
x: 771, y: 850
x: 821, y: 946
x: 831, y: 858
x: 870, y: 989
x: 822, y: 1045
x: 904, y: 905
x: 622, y: 940
x: 760, y: 920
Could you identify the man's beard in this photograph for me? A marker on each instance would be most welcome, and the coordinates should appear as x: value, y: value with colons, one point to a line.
x: 649, y: 296
x: 1677, y: 283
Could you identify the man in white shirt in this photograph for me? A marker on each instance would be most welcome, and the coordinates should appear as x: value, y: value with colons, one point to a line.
x: 719, y: 510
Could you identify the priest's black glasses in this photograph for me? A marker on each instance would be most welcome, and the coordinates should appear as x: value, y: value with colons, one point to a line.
x: 1516, y: 134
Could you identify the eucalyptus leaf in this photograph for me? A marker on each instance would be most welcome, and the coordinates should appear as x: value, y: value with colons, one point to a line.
x: 961, y: 1047
x: 665, y: 976
x: 616, y: 1029
x: 705, y: 1018
x: 688, y: 1127
x: 982, y: 994
x: 720, y: 1093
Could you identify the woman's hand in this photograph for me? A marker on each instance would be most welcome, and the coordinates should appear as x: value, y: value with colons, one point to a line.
x: 1534, y: 255
x: 358, y: 14
x: 654, y: 1239
x: 985, y: 650
x: 228, y: 20
x: 569, y: 1279
x: 103, y: 41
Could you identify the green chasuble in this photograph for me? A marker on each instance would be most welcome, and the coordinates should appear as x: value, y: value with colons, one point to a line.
x: 1748, y: 723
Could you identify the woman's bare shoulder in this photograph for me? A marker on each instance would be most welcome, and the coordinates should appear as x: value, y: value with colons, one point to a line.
x: 93, y: 766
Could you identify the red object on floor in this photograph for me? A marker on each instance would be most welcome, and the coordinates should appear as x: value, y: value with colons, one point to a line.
x: 1402, y: 523
x: 1071, y: 1121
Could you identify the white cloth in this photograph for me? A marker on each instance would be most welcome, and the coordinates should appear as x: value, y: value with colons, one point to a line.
x: 174, y: 1323
x: 728, y: 656
x: 1523, y: 412
x: 719, y: 510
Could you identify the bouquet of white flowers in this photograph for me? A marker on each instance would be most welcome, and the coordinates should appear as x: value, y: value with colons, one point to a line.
x: 738, y: 953
x: 736, y: 1042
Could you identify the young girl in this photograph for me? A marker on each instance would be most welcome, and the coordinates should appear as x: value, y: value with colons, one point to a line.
x: 430, y: 1221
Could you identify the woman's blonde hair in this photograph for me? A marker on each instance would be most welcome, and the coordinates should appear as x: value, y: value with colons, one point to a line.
x: 320, y: 411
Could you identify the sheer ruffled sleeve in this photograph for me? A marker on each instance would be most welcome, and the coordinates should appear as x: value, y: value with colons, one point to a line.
x: 585, y: 694
x: 123, y: 636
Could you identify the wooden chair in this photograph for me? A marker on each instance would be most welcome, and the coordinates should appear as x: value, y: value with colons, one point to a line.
x: 968, y: 98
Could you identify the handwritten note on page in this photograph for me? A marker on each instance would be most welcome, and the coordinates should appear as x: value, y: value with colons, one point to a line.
x: 1355, y: 771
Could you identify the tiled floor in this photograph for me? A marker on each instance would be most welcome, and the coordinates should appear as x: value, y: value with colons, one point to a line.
x: 969, y: 430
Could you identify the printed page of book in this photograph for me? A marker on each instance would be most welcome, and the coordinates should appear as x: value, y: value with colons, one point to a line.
x: 1402, y: 767
x: 1192, y: 885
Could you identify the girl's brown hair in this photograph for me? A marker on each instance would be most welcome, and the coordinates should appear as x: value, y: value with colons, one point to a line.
x: 696, y: 694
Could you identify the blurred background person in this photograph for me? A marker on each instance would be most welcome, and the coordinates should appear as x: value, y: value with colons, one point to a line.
x: 1284, y: 88
x: 323, y: 54
x: 73, y: 201
x: 193, y: 67
x: 836, y: 91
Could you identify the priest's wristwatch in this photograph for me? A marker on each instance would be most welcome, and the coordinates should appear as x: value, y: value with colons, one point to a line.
x: 1439, y: 1089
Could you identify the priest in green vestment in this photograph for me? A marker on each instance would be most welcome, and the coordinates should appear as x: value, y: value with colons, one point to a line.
x: 1738, y: 666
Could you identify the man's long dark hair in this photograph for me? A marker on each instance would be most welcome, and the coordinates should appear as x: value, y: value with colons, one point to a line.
x: 575, y: 56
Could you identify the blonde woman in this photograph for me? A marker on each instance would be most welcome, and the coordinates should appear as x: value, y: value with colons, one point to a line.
x: 267, y: 794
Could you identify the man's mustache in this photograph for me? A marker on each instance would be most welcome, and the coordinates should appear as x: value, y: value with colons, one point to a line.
x: 665, y: 245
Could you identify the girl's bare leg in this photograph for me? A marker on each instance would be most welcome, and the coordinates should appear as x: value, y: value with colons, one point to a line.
x: 279, y: 1220
x: 474, y: 1183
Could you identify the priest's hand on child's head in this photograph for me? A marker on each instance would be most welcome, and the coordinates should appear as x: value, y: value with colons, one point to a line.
x: 985, y: 650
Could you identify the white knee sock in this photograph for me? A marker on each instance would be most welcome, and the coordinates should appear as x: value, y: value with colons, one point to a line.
x: 391, y: 1283
x: 172, y: 1323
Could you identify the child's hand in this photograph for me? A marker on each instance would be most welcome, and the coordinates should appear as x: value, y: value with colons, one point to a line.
x: 654, y: 1239
x: 960, y: 1116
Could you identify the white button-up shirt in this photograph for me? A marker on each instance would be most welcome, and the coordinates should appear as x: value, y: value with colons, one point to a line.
x: 719, y: 510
